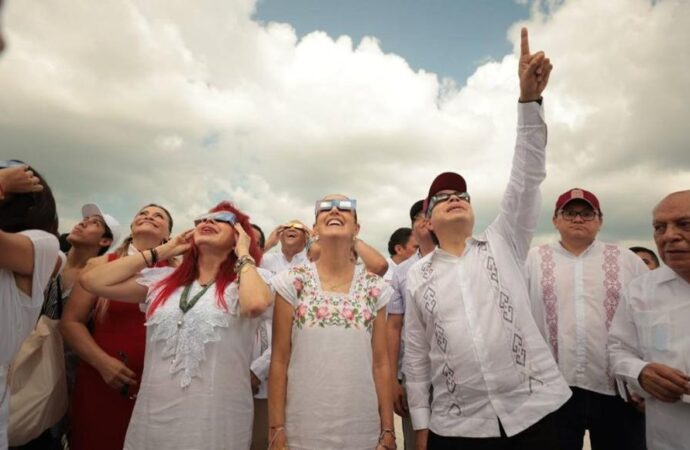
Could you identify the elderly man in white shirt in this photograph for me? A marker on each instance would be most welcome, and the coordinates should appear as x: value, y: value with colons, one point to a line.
x: 649, y: 341
x: 469, y: 331
x: 293, y: 238
x: 575, y: 287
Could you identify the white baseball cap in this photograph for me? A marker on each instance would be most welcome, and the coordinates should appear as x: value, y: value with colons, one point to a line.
x: 92, y: 209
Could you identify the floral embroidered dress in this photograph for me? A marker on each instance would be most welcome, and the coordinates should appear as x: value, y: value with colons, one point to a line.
x: 331, y: 399
x: 195, y: 391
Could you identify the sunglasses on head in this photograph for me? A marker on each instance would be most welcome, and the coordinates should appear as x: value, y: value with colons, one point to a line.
x: 11, y: 163
x: 221, y: 216
x: 444, y: 197
x: 349, y: 204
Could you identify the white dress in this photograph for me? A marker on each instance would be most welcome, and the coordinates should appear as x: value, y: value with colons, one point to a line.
x: 195, y: 390
x: 331, y: 398
x: 19, y: 312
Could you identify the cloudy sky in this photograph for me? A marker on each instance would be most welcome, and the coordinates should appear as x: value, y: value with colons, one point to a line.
x: 272, y: 104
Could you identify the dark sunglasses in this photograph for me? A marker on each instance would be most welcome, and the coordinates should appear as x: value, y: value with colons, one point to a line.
x: 444, y: 197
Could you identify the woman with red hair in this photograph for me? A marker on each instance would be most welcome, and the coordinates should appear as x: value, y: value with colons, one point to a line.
x: 201, y: 320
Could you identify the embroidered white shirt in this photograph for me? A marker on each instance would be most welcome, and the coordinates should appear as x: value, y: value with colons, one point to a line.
x: 573, y: 302
x: 651, y: 325
x: 469, y: 331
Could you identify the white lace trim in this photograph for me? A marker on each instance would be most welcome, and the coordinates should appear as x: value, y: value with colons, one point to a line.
x: 186, y: 344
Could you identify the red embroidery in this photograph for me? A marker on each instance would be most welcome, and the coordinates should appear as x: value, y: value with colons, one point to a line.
x: 612, y: 287
x: 548, y: 287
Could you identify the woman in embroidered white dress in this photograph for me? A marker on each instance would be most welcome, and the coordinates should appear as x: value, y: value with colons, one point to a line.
x: 201, y: 321
x: 328, y: 382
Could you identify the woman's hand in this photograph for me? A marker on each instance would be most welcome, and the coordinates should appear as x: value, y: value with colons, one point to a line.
x: 387, y: 441
x: 277, y: 440
x: 115, y: 373
x: 19, y: 180
x: 176, y: 246
x: 243, y: 241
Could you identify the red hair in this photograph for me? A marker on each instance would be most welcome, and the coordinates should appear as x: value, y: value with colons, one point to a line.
x: 188, y: 271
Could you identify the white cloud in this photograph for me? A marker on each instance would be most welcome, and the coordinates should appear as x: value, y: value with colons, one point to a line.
x: 189, y: 103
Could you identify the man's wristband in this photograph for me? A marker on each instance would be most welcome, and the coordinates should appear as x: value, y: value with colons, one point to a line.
x: 538, y: 100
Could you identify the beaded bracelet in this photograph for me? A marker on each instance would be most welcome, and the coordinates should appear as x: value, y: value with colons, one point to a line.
x: 383, y: 433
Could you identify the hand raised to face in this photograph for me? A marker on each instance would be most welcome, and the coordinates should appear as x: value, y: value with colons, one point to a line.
x: 533, y: 69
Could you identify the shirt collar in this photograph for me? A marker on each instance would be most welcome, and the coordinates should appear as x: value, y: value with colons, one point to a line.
x: 665, y: 274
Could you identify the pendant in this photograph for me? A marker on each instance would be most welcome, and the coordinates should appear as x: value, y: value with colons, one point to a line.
x: 180, y: 322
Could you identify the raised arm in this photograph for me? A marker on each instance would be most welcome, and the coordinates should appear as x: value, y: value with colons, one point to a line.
x: 117, y: 279
x: 255, y: 295
x: 372, y: 259
x: 522, y: 200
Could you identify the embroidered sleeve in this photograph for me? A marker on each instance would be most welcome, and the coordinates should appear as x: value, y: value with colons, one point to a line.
x: 290, y: 283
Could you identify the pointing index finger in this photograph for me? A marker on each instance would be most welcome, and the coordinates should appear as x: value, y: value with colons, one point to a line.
x: 524, y: 42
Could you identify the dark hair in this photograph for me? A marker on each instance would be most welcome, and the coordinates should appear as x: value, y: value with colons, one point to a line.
x: 646, y: 250
x: 262, y: 237
x: 30, y: 211
x: 416, y: 209
x: 64, y: 243
x: 108, y: 234
x: 399, y: 237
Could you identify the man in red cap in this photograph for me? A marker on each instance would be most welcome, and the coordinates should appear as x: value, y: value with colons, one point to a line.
x: 575, y: 285
x: 469, y: 331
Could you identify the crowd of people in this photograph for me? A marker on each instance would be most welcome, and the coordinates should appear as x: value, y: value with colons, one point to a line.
x: 219, y: 337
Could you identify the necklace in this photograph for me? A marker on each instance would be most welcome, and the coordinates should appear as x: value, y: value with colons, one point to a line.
x: 329, y: 287
x: 186, y: 305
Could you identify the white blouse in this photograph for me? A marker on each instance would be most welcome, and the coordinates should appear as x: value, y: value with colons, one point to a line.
x: 19, y: 312
x: 331, y: 397
x: 195, y: 390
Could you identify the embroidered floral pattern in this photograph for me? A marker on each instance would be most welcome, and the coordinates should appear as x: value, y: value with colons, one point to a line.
x: 316, y: 308
x: 185, y: 335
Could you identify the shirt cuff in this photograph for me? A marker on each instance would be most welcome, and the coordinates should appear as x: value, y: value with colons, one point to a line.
x: 633, y: 377
x: 260, y: 368
x: 420, y: 418
x: 530, y: 114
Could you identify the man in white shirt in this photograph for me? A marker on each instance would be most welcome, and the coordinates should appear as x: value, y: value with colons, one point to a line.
x: 396, y: 311
x: 575, y: 285
x: 293, y: 240
x: 649, y: 341
x: 469, y: 331
x: 401, y: 245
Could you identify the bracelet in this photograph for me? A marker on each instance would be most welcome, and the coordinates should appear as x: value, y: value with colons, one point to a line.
x: 383, y: 433
x: 241, y: 261
x: 145, y: 261
x: 276, y: 430
x: 154, y: 256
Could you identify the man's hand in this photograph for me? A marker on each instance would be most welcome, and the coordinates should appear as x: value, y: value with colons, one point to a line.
x: 664, y: 383
x: 533, y: 69
x: 400, y: 400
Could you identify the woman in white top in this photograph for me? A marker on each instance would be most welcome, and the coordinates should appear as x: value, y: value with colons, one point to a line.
x: 201, y: 319
x: 28, y: 258
x: 329, y: 377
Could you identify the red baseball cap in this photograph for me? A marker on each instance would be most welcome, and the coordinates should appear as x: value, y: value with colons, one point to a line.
x: 578, y: 194
x: 445, y: 181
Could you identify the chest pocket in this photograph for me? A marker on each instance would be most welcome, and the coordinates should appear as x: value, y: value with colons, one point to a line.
x: 655, y: 330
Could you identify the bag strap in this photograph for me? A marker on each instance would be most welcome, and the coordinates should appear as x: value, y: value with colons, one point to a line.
x: 58, y: 282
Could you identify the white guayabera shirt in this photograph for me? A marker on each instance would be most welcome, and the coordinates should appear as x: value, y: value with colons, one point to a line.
x: 652, y: 324
x: 574, y: 299
x: 469, y: 330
